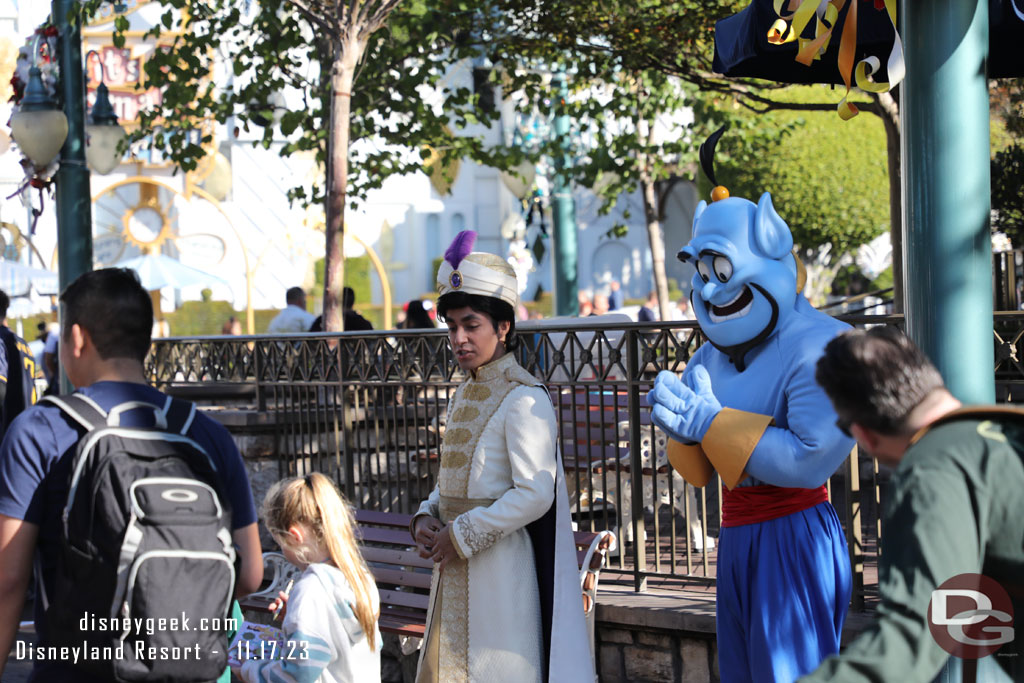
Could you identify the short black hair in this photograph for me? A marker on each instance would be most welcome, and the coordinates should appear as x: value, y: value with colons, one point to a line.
x: 498, y: 311
x: 294, y: 295
x: 113, y: 306
x: 348, y: 297
x: 5, y: 303
x: 876, y: 378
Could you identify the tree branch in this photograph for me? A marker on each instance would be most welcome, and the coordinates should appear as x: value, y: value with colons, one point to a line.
x: 380, y: 16
x: 305, y: 10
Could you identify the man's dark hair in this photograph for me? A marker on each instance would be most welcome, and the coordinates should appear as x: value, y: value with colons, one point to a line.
x: 876, y: 378
x: 497, y: 309
x: 5, y: 303
x: 112, y: 305
x: 294, y: 296
x: 348, y: 297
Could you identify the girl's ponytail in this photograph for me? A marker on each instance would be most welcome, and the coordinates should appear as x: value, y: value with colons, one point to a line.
x: 338, y: 536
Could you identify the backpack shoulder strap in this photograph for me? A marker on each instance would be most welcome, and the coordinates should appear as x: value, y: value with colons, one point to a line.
x: 180, y: 415
x: 79, y: 408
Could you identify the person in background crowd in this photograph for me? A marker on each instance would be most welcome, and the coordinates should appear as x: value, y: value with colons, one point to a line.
x: 417, y: 315
x: 232, y: 326
x: 955, y: 508
x: 600, y: 305
x: 353, y: 321
x: 647, y: 314
x: 17, y: 371
x: 51, y: 364
x: 616, y: 298
x: 161, y: 328
x: 682, y: 311
x: 585, y: 302
x: 294, y: 318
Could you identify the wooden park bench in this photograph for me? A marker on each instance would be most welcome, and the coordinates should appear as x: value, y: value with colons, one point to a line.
x: 403, y: 577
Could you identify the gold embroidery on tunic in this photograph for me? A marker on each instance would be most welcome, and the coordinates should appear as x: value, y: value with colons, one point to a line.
x: 453, y: 460
x: 465, y: 414
x: 458, y: 436
x: 476, y: 392
x: 453, y: 655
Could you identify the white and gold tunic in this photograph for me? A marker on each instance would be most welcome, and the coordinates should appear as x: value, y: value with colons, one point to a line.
x: 500, y: 471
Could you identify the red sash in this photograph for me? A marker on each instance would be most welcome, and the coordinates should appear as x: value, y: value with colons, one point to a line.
x: 753, y: 504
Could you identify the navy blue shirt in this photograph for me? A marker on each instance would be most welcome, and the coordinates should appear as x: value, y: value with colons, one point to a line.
x: 18, y: 374
x: 35, y: 459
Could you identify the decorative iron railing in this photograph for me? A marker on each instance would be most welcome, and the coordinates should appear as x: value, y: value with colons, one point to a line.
x: 368, y: 409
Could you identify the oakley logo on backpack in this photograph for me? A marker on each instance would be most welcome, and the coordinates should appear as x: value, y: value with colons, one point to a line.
x: 145, y: 539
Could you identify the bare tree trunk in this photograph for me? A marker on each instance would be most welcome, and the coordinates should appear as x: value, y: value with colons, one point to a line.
x: 657, y: 242
x: 890, y: 115
x: 645, y: 132
x: 342, y: 77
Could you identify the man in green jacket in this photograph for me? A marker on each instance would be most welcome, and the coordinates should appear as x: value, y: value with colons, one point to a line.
x: 956, y: 507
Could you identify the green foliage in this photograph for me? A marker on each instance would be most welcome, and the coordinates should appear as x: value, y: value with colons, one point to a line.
x: 358, y: 271
x: 827, y: 177
x: 1008, y: 193
x: 279, y: 48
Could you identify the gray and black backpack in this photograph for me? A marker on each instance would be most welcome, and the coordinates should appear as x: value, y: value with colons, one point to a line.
x: 146, y: 568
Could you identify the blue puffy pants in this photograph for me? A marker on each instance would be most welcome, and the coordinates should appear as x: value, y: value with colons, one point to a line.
x: 783, y: 590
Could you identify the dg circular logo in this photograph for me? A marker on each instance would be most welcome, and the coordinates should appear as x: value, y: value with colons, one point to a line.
x: 971, y: 616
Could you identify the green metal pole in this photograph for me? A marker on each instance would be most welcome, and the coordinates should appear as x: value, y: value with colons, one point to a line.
x: 563, y: 211
x: 74, y: 207
x: 946, y: 191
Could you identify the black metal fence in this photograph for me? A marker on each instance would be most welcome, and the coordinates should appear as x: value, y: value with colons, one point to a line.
x: 368, y: 409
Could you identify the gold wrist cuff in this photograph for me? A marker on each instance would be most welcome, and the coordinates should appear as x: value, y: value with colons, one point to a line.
x: 730, y: 441
x: 690, y: 462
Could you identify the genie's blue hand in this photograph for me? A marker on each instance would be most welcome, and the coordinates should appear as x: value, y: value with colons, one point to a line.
x: 684, y: 410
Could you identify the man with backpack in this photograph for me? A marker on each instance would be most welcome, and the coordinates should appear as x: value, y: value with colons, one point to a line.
x: 954, y: 516
x: 134, y: 508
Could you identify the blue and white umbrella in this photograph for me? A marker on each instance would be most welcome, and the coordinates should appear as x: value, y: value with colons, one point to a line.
x: 157, y: 271
x: 20, y: 280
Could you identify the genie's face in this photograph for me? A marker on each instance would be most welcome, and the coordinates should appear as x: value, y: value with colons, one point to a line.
x: 746, y: 275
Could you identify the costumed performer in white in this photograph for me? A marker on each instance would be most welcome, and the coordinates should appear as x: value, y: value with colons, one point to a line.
x: 505, y: 601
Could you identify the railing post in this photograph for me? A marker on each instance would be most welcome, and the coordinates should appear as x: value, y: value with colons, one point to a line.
x: 258, y: 363
x: 635, y: 465
x: 854, y: 533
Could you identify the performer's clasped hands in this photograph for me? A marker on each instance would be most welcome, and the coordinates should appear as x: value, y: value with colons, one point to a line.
x: 434, y: 542
x: 684, y: 408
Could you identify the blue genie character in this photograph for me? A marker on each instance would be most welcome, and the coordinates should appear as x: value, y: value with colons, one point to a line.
x: 747, y: 406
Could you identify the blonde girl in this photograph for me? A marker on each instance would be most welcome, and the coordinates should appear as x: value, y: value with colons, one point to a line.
x: 332, y: 610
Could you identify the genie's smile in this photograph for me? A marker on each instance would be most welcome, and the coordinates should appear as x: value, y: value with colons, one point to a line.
x: 739, y: 306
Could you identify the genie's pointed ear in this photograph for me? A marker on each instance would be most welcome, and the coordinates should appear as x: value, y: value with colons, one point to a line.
x: 771, y: 234
x: 698, y: 211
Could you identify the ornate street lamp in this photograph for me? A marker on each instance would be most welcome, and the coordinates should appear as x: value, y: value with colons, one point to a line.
x: 103, y: 133
x: 39, y: 127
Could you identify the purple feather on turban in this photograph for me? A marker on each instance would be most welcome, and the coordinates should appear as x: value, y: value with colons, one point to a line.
x: 460, y: 247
